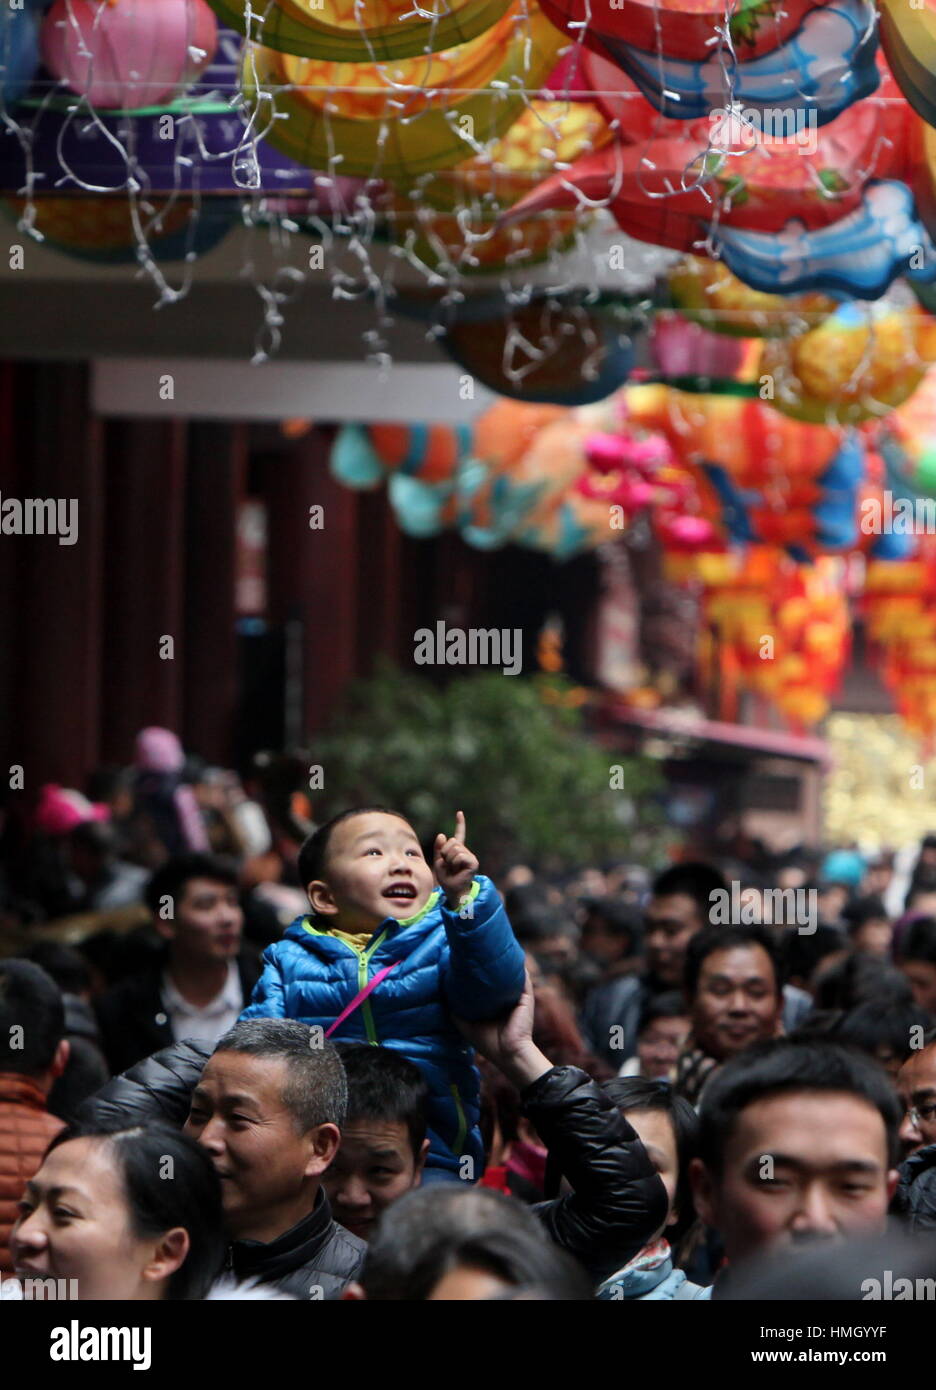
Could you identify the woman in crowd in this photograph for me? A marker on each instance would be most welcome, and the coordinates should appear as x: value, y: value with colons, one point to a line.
x: 130, y: 1215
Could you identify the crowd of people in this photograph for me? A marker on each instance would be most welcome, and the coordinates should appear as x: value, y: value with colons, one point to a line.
x: 244, y: 1055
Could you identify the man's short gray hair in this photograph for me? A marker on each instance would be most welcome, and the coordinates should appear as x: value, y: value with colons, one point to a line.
x: 316, y: 1090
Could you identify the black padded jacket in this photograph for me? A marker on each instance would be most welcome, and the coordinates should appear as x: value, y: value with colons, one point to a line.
x: 314, y: 1260
x: 618, y: 1201
x: 915, y: 1199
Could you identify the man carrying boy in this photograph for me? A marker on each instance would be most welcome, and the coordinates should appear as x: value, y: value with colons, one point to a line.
x: 386, y: 957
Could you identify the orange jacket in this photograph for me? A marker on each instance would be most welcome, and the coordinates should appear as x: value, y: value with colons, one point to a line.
x: 26, y: 1130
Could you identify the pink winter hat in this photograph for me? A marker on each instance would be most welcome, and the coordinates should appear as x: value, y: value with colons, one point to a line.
x: 60, y: 809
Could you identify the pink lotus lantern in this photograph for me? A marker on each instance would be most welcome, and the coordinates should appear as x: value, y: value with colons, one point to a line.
x: 127, y: 54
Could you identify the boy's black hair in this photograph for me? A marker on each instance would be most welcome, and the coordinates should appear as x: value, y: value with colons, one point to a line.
x: 918, y: 941
x: 697, y: 881
x: 170, y: 879
x: 884, y: 1023
x: 383, y: 1085
x: 32, y: 1018
x: 636, y: 1093
x: 711, y: 939
x: 671, y: 1004
x: 787, y: 1066
x: 314, y: 850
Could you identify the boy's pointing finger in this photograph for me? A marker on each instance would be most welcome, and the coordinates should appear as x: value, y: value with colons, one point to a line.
x: 460, y: 827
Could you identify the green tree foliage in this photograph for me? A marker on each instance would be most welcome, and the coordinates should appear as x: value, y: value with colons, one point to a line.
x: 510, y: 752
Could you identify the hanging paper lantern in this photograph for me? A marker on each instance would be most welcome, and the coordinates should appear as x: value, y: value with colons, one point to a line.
x: 908, y: 35
x: 858, y: 256
x: 773, y: 627
x: 354, y: 460
x: 126, y: 54
x: 362, y: 115
x: 755, y: 444
x: 675, y: 190
x: 546, y: 352
x: 899, y: 609
x: 686, y: 351
x: 101, y: 228
x: 859, y: 364
x: 908, y: 439
x: 428, y: 452
x: 450, y: 219
x: 824, y: 67
x: 19, y: 52
x: 345, y: 31
x: 707, y: 292
x: 687, y: 29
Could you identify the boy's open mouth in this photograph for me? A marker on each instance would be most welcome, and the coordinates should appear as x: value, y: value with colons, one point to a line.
x: 403, y: 891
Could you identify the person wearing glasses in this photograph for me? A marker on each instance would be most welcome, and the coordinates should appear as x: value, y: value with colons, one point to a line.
x: 915, y: 1199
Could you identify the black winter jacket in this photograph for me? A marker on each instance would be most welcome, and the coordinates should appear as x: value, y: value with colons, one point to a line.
x: 619, y: 1201
x: 915, y: 1199
x: 132, y: 1016
x: 315, y: 1259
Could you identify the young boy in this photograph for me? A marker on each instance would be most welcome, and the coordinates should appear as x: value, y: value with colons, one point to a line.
x: 389, y: 958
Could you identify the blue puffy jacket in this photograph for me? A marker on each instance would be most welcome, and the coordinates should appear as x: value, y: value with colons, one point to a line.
x: 467, y: 963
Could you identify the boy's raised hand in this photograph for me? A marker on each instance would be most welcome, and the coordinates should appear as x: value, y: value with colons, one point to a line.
x: 454, y: 864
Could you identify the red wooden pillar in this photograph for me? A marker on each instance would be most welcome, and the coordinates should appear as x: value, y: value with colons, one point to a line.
x: 217, y: 476
x: 313, y: 589
x: 57, y: 670
x: 144, y: 579
x: 380, y: 548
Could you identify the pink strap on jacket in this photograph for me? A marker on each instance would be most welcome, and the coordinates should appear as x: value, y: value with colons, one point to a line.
x: 361, y: 995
